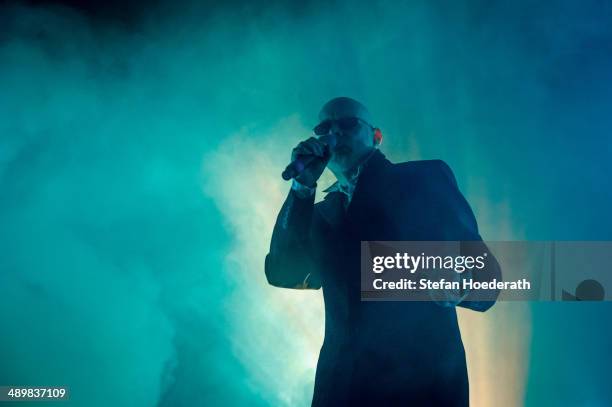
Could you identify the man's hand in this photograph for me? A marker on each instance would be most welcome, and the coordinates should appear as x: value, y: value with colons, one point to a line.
x: 320, y: 154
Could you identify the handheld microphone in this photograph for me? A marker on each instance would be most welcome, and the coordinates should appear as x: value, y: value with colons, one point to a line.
x: 298, y: 165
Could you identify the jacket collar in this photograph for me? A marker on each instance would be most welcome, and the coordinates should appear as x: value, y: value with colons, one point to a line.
x: 348, y: 184
x: 332, y: 208
x: 374, y: 169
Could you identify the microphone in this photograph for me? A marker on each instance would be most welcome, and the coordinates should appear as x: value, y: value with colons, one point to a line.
x: 298, y: 165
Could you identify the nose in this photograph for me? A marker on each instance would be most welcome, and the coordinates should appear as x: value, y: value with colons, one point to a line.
x: 335, y: 129
x: 329, y: 139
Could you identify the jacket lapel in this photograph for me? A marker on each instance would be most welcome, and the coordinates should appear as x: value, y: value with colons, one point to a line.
x: 368, y: 184
x: 332, y: 208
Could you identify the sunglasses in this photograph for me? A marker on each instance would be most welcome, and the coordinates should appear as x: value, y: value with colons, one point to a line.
x: 345, y: 124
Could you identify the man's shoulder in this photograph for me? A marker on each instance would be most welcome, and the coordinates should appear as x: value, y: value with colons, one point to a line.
x: 425, y: 168
x: 420, y: 165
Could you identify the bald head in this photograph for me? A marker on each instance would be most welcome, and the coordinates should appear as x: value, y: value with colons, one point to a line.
x: 344, y: 107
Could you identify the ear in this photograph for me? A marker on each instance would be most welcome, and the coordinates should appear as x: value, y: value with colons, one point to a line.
x: 378, y: 137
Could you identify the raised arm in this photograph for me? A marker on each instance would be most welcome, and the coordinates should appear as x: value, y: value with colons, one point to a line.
x: 289, y: 263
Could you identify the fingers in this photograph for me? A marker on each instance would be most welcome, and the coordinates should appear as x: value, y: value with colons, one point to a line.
x: 312, y: 146
x: 318, y: 147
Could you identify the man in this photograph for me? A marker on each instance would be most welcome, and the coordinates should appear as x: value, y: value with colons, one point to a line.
x: 374, y: 353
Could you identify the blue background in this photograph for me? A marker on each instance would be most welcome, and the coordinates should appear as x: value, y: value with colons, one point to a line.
x: 140, y: 154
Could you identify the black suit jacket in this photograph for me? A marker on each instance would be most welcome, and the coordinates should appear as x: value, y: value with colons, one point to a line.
x: 394, y: 353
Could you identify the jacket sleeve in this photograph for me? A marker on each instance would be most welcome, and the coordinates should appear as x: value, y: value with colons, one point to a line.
x: 289, y: 263
x: 459, y: 217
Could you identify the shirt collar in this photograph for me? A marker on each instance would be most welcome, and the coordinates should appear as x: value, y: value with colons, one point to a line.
x: 348, y: 184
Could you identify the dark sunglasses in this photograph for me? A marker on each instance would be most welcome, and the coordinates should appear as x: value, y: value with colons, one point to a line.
x: 345, y: 124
